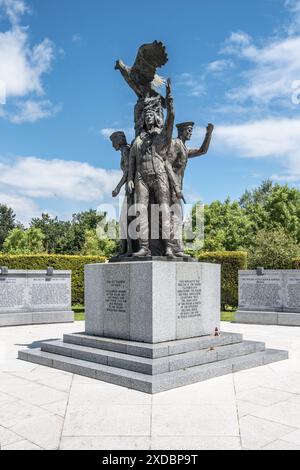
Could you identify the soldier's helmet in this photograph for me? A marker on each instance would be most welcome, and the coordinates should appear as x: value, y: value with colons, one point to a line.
x: 184, y: 125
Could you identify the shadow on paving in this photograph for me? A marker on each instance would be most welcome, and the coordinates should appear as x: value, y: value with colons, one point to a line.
x: 37, y: 344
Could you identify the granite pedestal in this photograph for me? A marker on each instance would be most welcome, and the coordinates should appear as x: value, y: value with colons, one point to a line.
x: 269, y: 297
x: 151, y: 326
x: 35, y: 297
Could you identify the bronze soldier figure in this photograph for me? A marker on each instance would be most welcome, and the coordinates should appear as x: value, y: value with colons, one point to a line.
x: 147, y: 171
x: 120, y: 144
x: 177, y: 163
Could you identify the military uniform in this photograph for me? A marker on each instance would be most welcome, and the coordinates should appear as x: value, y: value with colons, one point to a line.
x: 148, y: 170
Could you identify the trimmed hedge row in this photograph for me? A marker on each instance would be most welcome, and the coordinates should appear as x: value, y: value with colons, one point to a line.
x: 60, y: 262
x: 231, y: 263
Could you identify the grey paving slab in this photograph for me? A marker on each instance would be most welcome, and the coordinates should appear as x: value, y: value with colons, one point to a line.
x: 218, y: 394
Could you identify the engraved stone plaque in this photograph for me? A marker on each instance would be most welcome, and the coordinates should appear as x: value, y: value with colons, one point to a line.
x: 49, y: 293
x: 13, y: 293
x: 32, y: 297
x: 261, y: 292
x: 189, y: 300
x: 292, y: 291
x: 116, y: 301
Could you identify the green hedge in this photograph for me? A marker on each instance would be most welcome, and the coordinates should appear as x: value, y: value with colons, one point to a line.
x: 60, y: 262
x: 231, y: 263
x: 296, y: 263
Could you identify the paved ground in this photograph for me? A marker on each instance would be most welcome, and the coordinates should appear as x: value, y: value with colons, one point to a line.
x: 41, y: 408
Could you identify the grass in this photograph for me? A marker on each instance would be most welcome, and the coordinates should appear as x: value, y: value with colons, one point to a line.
x: 80, y: 314
x: 228, y: 316
x: 79, y: 311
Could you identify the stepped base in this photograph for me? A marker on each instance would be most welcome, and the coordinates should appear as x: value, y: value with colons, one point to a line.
x: 152, y: 368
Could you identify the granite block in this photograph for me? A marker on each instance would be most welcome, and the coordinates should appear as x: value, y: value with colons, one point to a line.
x: 258, y: 318
x: 163, y: 304
x: 94, y: 299
x: 289, y: 319
x: 248, y: 362
x: 15, y: 319
x: 152, y: 302
x: 275, y: 355
x: 247, y: 347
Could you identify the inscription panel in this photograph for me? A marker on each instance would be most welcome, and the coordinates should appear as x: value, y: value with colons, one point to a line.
x: 27, y: 292
x: 292, y: 292
x: 261, y: 292
x: 13, y: 294
x: 116, y: 294
x: 189, y: 298
x: 49, y: 293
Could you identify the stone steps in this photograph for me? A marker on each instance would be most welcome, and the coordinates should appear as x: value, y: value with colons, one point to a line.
x: 153, y: 351
x: 135, y: 363
x: 147, y: 383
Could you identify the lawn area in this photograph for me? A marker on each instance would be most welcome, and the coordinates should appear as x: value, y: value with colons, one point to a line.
x: 228, y: 316
x: 79, y: 312
x: 80, y: 316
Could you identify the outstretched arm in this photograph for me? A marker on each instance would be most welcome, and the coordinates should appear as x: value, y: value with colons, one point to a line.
x: 193, y: 153
x: 125, y: 71
x: 167, y: 132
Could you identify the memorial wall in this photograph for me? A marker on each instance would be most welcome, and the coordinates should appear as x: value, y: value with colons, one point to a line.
x: 28, y: 297
x: 269, y: 296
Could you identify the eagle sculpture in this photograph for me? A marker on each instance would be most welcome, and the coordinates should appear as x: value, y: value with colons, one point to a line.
x: 142, y: 76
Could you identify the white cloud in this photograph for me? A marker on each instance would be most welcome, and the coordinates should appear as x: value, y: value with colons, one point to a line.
x: 22, y: 65
x: 39, y: 178
x: 193, y: 84
x: 107, y: 132
x: 24, y: 207
x: 219, y: 66
x: 269, y: 67
x: 14, y: 9
x: 25, y: 180
x: 77, y: 38
x: 32, y: 111
x: 266, y: 139
x: 294, y: 7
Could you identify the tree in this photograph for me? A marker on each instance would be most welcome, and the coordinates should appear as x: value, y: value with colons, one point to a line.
x: 54, y: 230
x: 227, y: 226
x: 273, y: 249
x: 66, y: 237
x: 21, y: 242
x: 7, y: 222
x: 273, y: 206
x: 93, y: 245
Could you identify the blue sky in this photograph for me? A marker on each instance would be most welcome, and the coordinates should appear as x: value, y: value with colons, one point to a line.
x: 233, y: 63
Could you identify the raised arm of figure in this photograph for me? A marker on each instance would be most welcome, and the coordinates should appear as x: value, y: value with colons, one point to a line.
x: 167, y: 132
x: 193, y: 153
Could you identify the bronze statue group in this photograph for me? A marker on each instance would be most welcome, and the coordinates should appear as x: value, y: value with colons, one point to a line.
x: 154, y: 164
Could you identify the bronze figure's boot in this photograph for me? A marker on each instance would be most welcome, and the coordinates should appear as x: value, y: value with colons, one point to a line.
x: 144, y: 251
